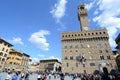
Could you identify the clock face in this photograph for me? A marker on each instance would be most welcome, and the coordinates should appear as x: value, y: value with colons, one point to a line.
x: 85, y: 28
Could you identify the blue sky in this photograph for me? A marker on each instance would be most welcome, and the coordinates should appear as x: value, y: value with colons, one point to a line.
x: 34, y: 26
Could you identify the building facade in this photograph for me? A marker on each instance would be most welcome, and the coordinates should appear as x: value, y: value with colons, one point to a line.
x: 25, y: 61
x: 4, y: 51
x: 50, y: 65
x: 86, y: 50
x: 117, y: 40
x: 33, y: 67
x: 14, y: 60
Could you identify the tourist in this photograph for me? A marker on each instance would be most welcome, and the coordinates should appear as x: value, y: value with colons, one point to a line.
x: 105, y: 75
x: 112, y: 75
x: 39, y: 76
x: 44, y: 77
x: 15, y: 76
x: 8, y: 76
x: 27, y: 76
x: 22, y: 76
x: 49, y: 76
x: 118, y: 76
x: 62, y: 76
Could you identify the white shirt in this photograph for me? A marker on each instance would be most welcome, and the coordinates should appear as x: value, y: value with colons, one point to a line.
x: 39, y: 76
x: 8, y: 77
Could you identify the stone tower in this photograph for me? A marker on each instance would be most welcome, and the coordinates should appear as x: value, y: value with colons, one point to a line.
x: 86, y: 50
x: 83, y: 17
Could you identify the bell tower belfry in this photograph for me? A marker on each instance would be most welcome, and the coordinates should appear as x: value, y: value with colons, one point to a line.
x: 83, y: 17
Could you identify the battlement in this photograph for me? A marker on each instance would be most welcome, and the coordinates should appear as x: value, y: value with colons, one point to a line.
x: 83, y: 12
x: 84, y: 34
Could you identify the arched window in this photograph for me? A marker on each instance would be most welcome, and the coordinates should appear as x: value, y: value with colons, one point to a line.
x: 65, y: 58
x: 71, y: 57
x: 70, y: 46
x: 65, y: 47
x: 76, y: 46
x: 106, y: 51
x: 98, y: 45
x: 3, y: 49
x: 1, y: 54
x: 67, y: 64
x: 81, y: 46
x: 104, y: 45
x: 108, y: 57
x: 3, y: 59
x: 5, y: 55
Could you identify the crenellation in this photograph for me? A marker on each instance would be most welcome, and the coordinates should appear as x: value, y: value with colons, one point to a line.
x: 79, y: 35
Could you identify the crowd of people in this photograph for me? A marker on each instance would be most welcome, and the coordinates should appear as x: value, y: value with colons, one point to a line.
x: 15, y: 75
x: 113, y: 75
x: 94, y: 76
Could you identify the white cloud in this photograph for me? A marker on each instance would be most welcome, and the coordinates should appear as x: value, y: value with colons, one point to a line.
x: 39, y: 39
x: 58, y: 11
x: 16, y: 40
x: 41, y: 55
x: 96, y: 12
x: 53, y: 57
x: 35, y: 59
x: 110, y: 10
x: 90, y: 5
